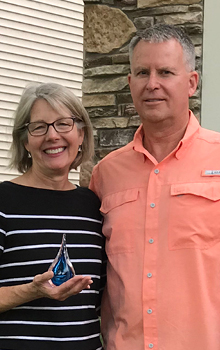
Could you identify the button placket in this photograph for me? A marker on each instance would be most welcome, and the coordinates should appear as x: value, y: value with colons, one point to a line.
x: 149, y: 283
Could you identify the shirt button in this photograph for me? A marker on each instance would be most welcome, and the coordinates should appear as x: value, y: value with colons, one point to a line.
x: 156, y: 171
x: 152, y: 205
x: 151, y: 240
x: 149, y: 275
x: 149, y: 311
x: 151, y: 345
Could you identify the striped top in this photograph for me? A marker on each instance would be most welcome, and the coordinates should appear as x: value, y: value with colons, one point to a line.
x: 32, y: 222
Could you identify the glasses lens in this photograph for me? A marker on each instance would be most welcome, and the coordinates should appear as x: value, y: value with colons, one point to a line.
x: 64, y: 124
x: 37, y: 129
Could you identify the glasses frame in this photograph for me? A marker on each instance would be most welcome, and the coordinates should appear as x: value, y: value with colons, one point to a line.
x: 75, y: 120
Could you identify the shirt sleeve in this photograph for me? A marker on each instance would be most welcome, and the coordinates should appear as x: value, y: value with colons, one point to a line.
x: 94, y: 186
x: 94, y: 181
x: 102, y: 279
x: 2, y: 235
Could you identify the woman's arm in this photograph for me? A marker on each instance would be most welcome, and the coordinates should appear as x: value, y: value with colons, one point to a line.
x: 41, y: 287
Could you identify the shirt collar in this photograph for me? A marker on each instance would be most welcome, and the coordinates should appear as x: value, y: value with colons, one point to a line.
x: 191, y: 131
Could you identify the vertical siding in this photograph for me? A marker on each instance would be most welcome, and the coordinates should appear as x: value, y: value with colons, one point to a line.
x: 40, y: 41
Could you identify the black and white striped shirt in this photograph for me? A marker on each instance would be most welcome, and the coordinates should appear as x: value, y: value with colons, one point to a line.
x: 32, y: 222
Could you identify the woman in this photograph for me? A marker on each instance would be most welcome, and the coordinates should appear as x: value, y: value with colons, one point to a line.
x: 52, y: 134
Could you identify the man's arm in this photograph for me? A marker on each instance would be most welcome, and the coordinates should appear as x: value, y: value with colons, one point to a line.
x: 93, y: 185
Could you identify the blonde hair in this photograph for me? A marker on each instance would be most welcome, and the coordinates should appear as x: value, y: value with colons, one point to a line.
x: 56, y: 95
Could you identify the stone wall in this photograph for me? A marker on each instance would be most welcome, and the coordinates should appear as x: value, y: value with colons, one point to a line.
x: 109, y: 25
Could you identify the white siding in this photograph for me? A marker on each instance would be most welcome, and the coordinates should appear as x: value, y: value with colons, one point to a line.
x: 211, y: 69
x: 40, y: 41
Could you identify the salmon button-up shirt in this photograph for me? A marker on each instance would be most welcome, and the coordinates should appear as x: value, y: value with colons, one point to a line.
x: 162, y: 228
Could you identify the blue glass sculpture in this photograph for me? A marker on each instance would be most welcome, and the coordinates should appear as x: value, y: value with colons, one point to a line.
x: 61, y: 266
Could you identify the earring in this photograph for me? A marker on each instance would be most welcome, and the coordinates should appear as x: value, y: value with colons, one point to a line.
x: 29, y: 155
x: 80, y: 148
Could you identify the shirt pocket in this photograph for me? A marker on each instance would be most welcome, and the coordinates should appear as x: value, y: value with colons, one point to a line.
x: 119, y: 210
x: 194, y: 215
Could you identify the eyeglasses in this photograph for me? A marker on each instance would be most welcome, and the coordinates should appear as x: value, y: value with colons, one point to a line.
x: 60, y: 125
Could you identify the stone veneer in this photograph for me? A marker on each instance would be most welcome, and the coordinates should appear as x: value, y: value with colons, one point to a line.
x: 108, y: 27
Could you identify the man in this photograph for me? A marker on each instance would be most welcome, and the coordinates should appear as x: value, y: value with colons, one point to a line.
x: 161, y: 204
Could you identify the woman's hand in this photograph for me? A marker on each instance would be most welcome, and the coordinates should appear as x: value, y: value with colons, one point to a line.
x: 44, y: 287
x: 41, y: 287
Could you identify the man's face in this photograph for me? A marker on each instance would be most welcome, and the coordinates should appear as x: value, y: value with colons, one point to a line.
x: 161, y: 83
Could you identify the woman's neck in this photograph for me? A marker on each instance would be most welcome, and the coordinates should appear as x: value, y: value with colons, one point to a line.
x: 56, y: 182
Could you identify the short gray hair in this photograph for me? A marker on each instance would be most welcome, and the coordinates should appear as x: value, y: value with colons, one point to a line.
x: 56, y: 95
x: 164, y: 32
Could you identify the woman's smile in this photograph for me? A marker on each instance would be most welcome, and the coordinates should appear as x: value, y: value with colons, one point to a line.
x: 54, y: 150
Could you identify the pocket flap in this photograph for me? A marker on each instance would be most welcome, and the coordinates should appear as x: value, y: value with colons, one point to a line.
x: 209, y: 190
x: 116, y: 199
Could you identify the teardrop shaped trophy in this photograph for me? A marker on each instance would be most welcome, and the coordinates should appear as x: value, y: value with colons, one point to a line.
x: 61, y: 266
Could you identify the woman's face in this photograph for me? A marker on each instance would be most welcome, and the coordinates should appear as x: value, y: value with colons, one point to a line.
x: 53, y: 153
